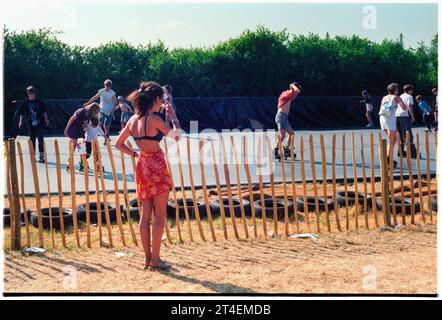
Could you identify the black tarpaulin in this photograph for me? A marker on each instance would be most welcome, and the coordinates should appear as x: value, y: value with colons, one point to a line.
x: 239, y: 112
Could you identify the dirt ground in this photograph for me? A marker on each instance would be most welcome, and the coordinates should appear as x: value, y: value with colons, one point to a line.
x: 364, y: 261
x: 396, y: 261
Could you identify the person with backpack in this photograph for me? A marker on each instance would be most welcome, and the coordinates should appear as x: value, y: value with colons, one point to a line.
x: 36, y: 114
x: 387, y: 119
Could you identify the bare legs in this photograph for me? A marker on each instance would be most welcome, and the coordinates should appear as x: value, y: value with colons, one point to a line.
x: 281, y: 135
x: 145, y: 229
x: 391, y: 141
x: 158, y: 226
x: 152, y: 252
x: 369, y: 119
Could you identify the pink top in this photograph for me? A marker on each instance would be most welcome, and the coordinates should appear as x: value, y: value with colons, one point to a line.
x: 286, y: 96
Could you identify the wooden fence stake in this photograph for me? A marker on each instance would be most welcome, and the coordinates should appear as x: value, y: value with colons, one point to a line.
x: 401, y: 165
x: 175, y: 201
x: 192, y: 188
x: 419, y: 179
x: 261, y: 187
x: 315, y: 190
x: 183, y: 193
x: 103, y: 188
x: 218, y: 188
x: 117, y: 192
x: 126, y: 199
x: 60, y: 192
x: 238, y: 183
x: 344, y: 166
x: 372, y: 181
x: 37, y: 193
x: 9, y: 195
x: 304, y: 186
x: 15, y: 219
x: 272, y: 185
x: 249, y: 183
x: 391, y: 176
x: 284, y: 182
x: 49, y: 195
x: 355, y: 181
x: 23, y: 199
x: 86, y: 191
x: 335, y: 198
x: 427, y: 152
x: 97, y: 193
x: 324, y: 181
x: 385, y: 181
x: 73, y: 191
x: 292, y: 174
x: 204, y: 186
x: 364, y: 177
x: 229, y: 191
x: 410, y: 173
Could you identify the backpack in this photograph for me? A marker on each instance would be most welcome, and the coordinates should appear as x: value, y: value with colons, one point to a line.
x: 386, y: 108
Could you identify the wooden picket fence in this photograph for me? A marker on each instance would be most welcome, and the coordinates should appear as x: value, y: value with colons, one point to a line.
x: 259, y: 225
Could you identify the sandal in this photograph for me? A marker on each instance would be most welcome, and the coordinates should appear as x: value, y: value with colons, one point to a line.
x: 146, y: 264
x: 161, y: 266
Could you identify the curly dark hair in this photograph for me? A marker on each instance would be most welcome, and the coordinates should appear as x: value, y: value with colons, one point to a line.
x: 142, y: 99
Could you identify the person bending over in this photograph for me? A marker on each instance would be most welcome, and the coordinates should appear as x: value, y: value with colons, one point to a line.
x: 77, y: 125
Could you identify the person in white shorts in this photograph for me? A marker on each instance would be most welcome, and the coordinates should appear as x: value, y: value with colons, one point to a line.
x: 369, y: 108
x: 387, y: 118
x: 108, y: 104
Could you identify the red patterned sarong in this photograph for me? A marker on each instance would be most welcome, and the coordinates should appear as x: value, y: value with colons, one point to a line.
x: 152, y: 176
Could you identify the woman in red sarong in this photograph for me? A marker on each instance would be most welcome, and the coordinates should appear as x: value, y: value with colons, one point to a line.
x: 152, y: 177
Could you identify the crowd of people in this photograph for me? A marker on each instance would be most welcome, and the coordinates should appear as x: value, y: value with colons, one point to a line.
x: 149, y: 113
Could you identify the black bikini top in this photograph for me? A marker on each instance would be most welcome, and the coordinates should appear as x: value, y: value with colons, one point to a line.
x: 156, y: 137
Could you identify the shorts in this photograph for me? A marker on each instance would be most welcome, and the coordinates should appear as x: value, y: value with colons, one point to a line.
x: 388, y: 123
x: 369, y: 107
x: 282, y: 120
x: 125, y: 116
x: 151, y: 175
x: 105, y: 120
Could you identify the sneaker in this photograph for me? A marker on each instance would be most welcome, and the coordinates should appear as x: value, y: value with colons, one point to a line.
x: 42, y: 160
x: 277, y: 155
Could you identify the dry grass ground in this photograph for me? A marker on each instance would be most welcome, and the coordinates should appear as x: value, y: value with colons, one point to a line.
x: 401, y: 261
x: 351, y: 261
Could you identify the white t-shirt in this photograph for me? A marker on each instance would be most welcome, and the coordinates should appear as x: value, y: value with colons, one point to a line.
x: 107, y: 101
x: 92, y: 133
x: 409, y: 101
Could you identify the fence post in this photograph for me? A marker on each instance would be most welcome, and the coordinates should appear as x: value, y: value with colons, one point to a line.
x: 15, y: 195
x: 385, y: 182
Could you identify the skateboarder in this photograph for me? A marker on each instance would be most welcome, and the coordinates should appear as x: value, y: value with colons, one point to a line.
x: 282, y: 118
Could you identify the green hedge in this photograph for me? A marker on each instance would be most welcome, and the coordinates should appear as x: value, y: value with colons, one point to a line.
x: 259, y: 62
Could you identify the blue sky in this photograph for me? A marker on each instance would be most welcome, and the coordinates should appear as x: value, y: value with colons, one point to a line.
x: 205, y: 24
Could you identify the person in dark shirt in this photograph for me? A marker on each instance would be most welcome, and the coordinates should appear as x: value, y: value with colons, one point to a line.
x: 36, y: 114
x: 369, y: 108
